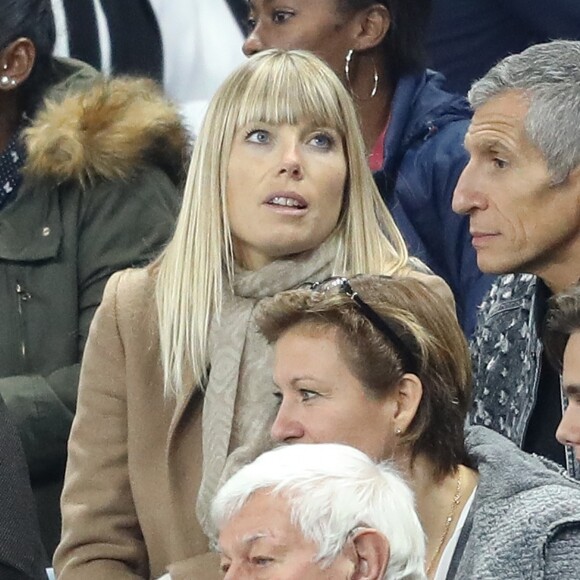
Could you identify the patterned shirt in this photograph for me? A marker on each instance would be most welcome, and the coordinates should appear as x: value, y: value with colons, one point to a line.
x: 11, y: 162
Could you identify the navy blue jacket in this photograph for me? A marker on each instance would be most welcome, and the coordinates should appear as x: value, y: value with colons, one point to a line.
x: 467, y: 37
x: 424, y: 157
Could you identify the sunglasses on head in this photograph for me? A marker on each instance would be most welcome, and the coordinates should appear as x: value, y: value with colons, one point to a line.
x: 342, y: 286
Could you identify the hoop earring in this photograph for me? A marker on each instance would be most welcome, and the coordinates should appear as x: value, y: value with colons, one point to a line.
x: 347, y: 62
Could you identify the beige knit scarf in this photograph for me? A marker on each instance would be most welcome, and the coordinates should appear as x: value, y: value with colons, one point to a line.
x: 239, y: 405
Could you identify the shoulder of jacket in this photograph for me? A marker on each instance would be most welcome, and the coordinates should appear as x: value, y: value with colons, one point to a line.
x: 105, y: 130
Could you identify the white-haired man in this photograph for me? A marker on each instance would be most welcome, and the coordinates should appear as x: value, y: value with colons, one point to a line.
x: 318, y: 512
x: 521, y: 190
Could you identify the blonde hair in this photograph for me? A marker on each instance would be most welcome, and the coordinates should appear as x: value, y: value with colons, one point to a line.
x: 275, y: 87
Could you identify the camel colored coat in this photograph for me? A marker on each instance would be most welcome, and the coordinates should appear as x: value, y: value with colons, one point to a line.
x: 135, y: 460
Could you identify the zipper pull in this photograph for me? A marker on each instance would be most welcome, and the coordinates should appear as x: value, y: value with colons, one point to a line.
x: 23, y: 295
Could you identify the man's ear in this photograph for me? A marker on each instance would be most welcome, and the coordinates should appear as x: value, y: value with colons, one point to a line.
x: 373, y: 24
x: 409, y: 392
x: 17, y: 60
x: 372, y: 552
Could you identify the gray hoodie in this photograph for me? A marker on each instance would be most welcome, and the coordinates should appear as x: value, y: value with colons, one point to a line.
x: 524, y: 522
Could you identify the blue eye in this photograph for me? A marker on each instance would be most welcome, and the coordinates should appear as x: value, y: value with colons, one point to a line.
x: 260, y: 136
x: 322, y: 141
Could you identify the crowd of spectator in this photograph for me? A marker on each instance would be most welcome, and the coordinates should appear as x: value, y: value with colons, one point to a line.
x: 228, y: 226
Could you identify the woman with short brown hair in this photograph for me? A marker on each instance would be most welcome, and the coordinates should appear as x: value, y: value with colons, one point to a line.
x: 380, y: 364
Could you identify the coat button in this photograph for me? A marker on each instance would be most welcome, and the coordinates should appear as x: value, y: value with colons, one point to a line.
x: 46, y: 231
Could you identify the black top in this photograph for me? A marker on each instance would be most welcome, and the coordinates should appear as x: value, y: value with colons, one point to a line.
x: 21, y: 552
x: 541, y: 434
x: 547, y: 412
x: 136, y: 47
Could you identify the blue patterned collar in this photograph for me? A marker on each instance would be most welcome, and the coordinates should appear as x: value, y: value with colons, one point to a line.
x: 11, y: 161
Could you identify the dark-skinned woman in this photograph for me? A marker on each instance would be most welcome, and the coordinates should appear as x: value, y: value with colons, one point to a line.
x: 88, y: 185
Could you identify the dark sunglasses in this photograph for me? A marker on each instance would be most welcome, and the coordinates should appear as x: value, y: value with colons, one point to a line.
x: 342, y: 286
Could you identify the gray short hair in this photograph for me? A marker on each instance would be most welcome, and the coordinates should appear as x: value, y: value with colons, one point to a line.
x: 549, y: 76
x: 332, y: 489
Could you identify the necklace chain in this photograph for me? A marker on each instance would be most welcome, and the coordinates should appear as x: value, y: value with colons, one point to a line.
x: 455, y: 502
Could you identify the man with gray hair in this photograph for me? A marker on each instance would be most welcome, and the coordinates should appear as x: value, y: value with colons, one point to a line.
x: 318, y: 512
x: 521, y: 191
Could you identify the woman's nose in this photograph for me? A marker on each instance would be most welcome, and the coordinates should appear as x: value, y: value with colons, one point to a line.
x: 285, y: 428
x: 291, y: 160
x: 253, y: 43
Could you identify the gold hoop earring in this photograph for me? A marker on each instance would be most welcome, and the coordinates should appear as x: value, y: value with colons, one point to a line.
x: 347, y: 62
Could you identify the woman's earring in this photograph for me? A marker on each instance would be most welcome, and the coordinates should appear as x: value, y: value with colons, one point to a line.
x: 347, y: 62
x: 398, y: 431
x: 6, y: 81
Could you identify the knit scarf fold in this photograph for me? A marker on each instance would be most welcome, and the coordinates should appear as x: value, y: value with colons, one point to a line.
x: 239, y: 406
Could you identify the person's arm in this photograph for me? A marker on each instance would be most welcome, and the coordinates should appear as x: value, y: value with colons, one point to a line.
x: 101, y: 536
x: 122, y: 224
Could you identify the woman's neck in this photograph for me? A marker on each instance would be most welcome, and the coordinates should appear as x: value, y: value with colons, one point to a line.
x: 374, y: 115
x: 9, y: 120
x: 374, y: 111
x: 438, y: 500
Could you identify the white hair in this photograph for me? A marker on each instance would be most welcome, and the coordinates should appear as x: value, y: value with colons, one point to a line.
x: 549, y: 76
x: 331, y: 490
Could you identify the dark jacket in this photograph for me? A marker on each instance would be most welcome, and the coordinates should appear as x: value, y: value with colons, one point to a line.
x: 524, y: 523
x: 129, y: 34
x: 424, y: 157
x: 99, y: 195
x: 507, y: 359
x: 21, y: 553
x: 468, y: 37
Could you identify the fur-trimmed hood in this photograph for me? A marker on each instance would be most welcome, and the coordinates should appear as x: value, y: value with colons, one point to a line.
x: 91, y: 128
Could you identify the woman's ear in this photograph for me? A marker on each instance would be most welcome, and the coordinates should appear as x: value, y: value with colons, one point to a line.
x: 17, y: 60
x: 371, y: 554
x: 373, y: 24
x: 409, y: 392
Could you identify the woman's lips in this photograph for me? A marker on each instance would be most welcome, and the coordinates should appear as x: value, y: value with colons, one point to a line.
x: 287, y: 202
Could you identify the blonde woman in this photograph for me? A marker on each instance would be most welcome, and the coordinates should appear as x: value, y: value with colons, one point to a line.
x: 176, y: 382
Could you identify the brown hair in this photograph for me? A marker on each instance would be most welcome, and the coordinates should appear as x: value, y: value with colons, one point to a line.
x: 428, y: 328
x: 562, y: 320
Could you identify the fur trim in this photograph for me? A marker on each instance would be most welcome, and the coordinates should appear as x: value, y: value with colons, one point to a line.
x: 106, y: 132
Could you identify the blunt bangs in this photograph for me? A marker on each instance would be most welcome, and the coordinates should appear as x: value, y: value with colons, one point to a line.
x: 282, y: 90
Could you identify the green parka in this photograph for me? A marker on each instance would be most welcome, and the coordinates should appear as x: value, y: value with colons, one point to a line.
x: 100, y: 194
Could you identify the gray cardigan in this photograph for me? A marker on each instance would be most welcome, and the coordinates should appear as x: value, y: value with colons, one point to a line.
x: 524, y: 522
